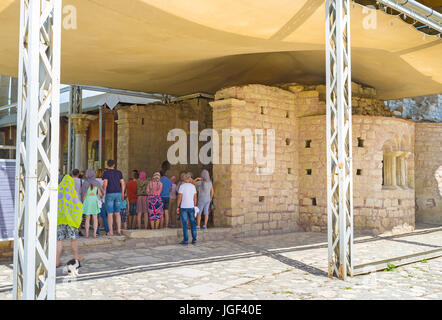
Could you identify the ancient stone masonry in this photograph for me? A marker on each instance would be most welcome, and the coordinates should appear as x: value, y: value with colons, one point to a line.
x: 143, y: 130
x: 364, y: 101
x: 379, y: 204
x: 426, y: 109
x: 247, y: 198
x: 81, y: 124
x: 383, y: 162
x: 396, y: 162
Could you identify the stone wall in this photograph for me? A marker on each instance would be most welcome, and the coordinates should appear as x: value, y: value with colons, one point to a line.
x: 429, y: 172
x: 377, y: 208
x: 142, y: 134
x: 364, y: 99
x: 253, y: 200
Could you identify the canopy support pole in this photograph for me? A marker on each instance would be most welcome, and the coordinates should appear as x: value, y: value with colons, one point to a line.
x: 37, y: 159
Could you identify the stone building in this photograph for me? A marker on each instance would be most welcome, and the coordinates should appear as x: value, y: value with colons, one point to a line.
x: 397, y: 163
x: 397, y: 167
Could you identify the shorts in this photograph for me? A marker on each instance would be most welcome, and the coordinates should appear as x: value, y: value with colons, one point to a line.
x: 142, y: 204
x: 165, y: 203
x: 123, y: 214
x: 133, y: 209
x: 204, y: 205
x: 113, y: 202
x: 65, y: 232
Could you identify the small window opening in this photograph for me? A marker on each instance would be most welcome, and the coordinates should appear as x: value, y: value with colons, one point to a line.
x: 261, y: 198
x: 313, y: 201
x: 287, y: 141
x: 359, y: 172
x: 360, y: 143
x: 262, y: 110
x: 308, y: 143
x: 309, y: 172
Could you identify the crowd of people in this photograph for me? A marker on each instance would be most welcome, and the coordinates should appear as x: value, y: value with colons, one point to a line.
x: 104, y: 201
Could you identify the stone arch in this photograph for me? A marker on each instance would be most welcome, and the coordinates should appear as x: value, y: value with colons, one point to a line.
x: 389, y: 145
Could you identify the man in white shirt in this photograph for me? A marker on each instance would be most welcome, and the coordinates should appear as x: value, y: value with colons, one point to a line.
x: 186, y: 203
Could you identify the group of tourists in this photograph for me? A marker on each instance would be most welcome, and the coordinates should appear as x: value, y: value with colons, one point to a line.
x: 107, y: 202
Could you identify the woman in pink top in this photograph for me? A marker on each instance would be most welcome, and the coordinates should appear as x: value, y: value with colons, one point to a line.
x: 155, y: 204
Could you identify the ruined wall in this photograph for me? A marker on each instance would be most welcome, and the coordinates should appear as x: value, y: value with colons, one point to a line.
x: 142, y: 134
x: 377, y: 208
x: 364, y: 99
x: 429, y: 172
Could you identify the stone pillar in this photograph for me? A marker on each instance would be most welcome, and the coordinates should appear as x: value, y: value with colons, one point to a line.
x: 81, y: 124
x: 389, y: 170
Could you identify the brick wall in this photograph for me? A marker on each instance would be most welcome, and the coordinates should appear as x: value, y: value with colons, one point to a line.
x: 429, y: 172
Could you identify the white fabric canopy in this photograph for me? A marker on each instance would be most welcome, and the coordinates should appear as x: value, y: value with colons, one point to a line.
x: 181, y: 47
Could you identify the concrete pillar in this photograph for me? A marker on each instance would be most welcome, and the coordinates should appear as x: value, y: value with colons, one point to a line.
x: 81, y: 124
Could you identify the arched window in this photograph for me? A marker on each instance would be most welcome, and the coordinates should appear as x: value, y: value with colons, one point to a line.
x: 394, y: 165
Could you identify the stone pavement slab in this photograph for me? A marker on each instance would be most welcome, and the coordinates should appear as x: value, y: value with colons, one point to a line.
x: 287, y: 266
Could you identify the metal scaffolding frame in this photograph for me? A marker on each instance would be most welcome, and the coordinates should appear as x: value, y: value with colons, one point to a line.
x: 417, y: 11
x: 339, y: 139
x: 37, y: 150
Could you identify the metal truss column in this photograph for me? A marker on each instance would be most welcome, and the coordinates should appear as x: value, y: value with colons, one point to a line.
x: 37, y: 150
x: 339, y: 139
x: 75, y: 107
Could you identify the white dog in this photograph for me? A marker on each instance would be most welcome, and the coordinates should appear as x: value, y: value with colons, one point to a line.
x: 71, y: 267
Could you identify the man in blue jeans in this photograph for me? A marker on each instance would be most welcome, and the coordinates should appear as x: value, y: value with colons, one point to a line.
x: 113, y: 184
x: 186, y: 203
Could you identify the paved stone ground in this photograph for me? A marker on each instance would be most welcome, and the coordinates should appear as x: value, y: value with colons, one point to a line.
x: 289, y: 266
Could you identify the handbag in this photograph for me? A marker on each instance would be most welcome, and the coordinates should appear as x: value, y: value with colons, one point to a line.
x: 100, y: 203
